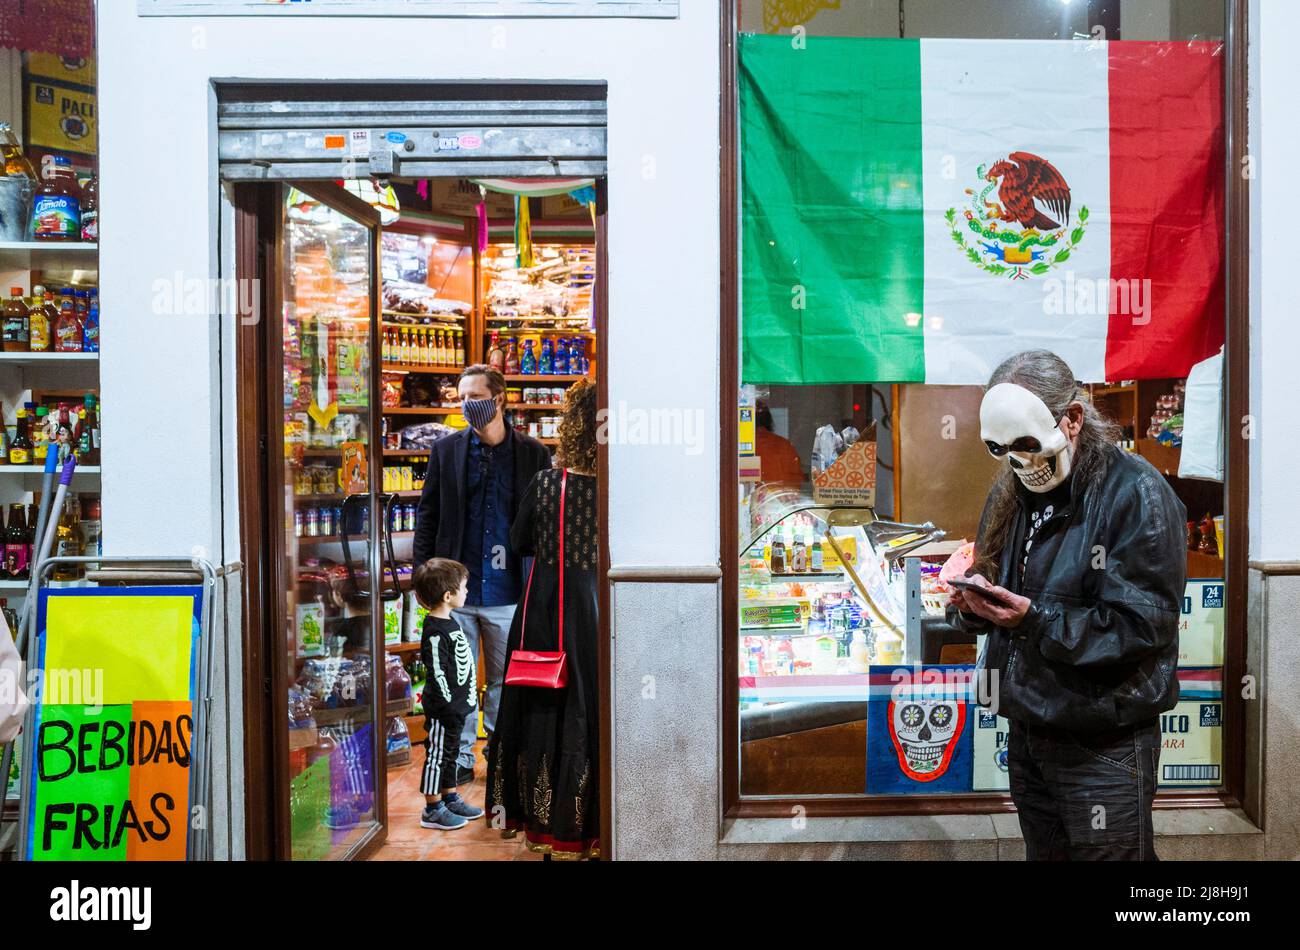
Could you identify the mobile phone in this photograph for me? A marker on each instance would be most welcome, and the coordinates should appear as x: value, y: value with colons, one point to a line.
x: 968, y: 587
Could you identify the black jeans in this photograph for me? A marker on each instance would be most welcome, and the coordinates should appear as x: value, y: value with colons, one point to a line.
x: 1085, y: 797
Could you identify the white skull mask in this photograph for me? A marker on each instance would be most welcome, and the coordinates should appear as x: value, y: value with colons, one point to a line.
x: 1017, y: 425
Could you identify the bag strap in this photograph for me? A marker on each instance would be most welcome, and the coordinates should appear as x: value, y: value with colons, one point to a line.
x: 523, y: 626
x: 564, y: 484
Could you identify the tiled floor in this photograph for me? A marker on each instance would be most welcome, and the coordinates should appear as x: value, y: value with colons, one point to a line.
x: 407, y: 841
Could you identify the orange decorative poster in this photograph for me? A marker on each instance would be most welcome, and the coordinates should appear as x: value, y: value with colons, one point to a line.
x: 113, y: 724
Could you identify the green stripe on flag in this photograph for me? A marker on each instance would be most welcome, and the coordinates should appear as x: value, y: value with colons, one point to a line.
x: 831, y: 209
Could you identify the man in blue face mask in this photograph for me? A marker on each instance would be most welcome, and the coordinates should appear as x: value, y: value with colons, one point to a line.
x: 470, y: 497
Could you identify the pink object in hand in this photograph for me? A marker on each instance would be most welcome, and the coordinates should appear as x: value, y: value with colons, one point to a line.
x: 958, y: 563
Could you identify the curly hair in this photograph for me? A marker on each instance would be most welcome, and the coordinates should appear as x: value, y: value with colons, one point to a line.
x: 578, y: 428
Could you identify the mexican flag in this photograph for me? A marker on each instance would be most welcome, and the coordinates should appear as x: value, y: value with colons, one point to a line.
x: 918, y: 210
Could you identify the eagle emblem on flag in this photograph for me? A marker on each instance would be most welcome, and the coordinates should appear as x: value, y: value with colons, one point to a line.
x: 1017, y: 224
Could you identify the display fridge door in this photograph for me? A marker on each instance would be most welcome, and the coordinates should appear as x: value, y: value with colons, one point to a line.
x: 332, y: 788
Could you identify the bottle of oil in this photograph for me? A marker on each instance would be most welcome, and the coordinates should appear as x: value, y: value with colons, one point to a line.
x: 38, y: 319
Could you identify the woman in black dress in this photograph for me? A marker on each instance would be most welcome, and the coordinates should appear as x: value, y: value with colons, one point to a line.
x: 543, y: 766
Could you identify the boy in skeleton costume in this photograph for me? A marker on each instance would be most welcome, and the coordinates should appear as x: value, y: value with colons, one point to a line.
x: 1080, y: 555
x: 440, y: 585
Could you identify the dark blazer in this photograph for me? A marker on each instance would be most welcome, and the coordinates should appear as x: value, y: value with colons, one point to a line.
x: 440, y: 520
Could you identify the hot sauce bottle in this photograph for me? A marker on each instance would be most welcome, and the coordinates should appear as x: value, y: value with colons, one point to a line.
x: 67, y: 329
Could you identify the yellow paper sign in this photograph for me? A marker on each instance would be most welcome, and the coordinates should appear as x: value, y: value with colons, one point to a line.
x: 134, y: 641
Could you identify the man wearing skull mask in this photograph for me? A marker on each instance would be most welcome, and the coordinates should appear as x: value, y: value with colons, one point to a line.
x: 1080, y: 562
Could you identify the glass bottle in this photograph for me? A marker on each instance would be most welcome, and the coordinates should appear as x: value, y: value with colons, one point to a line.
x: 17, y: 323
x: 56, y: 207
x: 41, y: 320
x: 67, y: 540
x: 512, y: 357
x: 460, y: 348
x: 38, y: 322
x: 90, y: 211
x: 20, y: 449
x: 18, y: 554
x: 15, y: 161
x: 528, y: 361
x: 41, y: 435
x: 496, y: 354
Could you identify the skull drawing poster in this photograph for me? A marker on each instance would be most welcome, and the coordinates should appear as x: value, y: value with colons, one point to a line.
x: 919, y: 730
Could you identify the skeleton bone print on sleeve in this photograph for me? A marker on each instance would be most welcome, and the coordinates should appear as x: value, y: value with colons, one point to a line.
x: 438, y: 676
x: 464, y: 664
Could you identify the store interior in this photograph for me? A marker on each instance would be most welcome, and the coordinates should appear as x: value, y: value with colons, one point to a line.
x: 858, y: 501
x: 469, y: 275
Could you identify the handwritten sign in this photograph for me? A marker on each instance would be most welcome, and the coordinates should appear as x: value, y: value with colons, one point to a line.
x: 112, y: 743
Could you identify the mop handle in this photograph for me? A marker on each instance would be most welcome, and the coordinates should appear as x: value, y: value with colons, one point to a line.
x: 52, y: 528
x: 42, y: 513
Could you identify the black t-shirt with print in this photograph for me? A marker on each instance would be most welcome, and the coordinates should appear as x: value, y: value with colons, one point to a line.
x: 451, y: 681
x: 1040, y: 509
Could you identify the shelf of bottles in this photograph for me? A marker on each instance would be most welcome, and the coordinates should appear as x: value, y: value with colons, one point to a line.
x: 537, y: 324
x: 49, y: 372
x: 425, y: 338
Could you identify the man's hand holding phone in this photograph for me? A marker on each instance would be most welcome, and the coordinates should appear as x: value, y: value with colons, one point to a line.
x: 975, y: 595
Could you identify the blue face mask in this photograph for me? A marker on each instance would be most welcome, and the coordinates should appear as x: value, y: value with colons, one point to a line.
x: 479, y: 412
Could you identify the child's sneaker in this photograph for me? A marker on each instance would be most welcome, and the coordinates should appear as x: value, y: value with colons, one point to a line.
x: 440, y: 818
x: 458, y: 806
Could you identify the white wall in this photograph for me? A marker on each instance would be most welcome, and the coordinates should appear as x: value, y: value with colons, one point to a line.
x: 1275, y: 299
x: 159, y: 209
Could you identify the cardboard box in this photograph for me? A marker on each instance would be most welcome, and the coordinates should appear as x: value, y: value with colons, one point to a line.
x: 1200, y: 627
x: 746, y: 433
x: 62, y: 69
x: 851, y: 479
x: 1191, y: 749
x: 61, y: 117
x: 990, y: 770
x: 393, y: 621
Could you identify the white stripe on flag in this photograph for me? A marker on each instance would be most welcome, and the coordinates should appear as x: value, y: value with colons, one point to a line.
x: 981, y: 101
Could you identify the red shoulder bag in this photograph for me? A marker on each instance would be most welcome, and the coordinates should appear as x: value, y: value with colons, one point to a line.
x: 528, y: 667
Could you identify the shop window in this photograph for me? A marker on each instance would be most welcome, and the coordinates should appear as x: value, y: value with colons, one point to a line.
x: 926, y: 189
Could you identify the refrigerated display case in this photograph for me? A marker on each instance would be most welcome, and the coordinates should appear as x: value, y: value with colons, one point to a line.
x: 823, y: 598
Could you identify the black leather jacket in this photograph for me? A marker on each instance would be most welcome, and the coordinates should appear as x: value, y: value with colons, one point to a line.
x: 1098, y: 649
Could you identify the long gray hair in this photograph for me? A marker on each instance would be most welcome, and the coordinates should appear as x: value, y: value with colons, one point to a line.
x: 1048, y: 377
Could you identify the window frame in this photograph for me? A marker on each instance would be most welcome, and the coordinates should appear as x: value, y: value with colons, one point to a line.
x: 1236, y: 480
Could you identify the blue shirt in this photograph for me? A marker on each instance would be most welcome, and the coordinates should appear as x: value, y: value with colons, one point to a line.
x: 494, y: 571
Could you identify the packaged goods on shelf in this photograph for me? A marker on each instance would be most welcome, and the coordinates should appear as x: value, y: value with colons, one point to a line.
x: 406, y: 299
x: 422, y: 435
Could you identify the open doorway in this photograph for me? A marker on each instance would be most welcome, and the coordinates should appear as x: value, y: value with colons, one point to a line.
x: 378, y: 292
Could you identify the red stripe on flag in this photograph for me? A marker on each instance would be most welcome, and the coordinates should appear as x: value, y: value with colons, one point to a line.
x: 1167, y: 205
